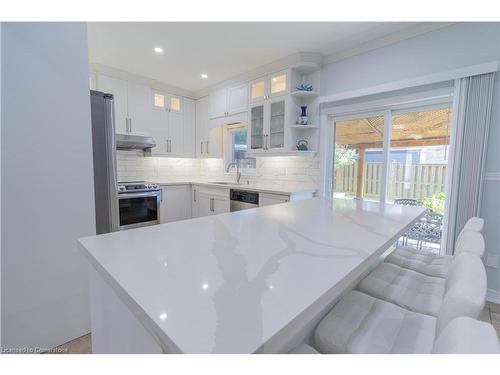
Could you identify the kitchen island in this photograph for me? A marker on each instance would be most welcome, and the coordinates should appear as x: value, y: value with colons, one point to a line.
x: 253, y: 281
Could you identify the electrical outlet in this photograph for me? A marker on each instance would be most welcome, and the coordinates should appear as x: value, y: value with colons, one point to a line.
x: 492, y: 260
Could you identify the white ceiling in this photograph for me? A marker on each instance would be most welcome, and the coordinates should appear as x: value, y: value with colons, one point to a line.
x: 224, y: 50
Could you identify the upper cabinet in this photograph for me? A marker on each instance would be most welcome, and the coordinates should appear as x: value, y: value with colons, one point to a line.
x: 167, y: 102
x: 269, y: 86
x: 268, y: 120
x: 228, y: 101
x: 139, y: 108
x: 208, y: 142
x: 131, y: 101
x: 173, y: 124
x: 118, y: 88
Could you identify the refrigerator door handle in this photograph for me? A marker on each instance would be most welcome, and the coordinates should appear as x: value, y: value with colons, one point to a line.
x: 111, y: 164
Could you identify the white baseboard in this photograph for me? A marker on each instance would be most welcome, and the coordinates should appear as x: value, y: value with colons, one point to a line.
x: 493, y: 295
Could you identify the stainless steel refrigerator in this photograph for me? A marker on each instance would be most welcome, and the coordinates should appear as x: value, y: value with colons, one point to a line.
x: 104, y: 149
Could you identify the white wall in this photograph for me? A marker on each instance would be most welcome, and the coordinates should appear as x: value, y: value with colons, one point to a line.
x: 445, y: 49
x: 47, y: 183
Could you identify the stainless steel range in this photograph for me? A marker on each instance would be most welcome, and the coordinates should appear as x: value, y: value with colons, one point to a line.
x: 139, y: 204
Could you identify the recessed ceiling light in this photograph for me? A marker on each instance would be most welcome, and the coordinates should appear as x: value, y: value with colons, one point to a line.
x: 158, y: 50
x: 204, y: 75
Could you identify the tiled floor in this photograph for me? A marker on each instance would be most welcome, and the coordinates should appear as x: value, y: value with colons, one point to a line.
x: 82, y: 345
x: 491, y: 314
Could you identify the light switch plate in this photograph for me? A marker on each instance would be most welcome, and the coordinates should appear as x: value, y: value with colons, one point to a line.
x: 492, y: 260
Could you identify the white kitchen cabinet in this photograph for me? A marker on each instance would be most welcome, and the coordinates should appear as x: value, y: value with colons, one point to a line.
x: 139, y: 108
x: 166, y: 101
x: 209, y: 142
x: 172, y: 125
x: 189, y: 128
x: 194, y: 200
x: 210, y: 205
x: 237, y: 99
x: 218, y: 103
x: 270, y: 86
x: 212, y: 200
x: 268, y: 125
x: 118, y: 88
x: 228, y: 101
x: 267, y: 199
x: 176, y: 203
x: 132, y: 104
x: 167, y: 131
x: 176, y: 134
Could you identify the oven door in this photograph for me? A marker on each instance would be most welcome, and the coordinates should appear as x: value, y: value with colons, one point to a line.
x: 139, y: 209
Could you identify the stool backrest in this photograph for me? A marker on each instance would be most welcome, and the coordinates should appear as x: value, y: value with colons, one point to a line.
x: 475, y: 224
x: 470, y: 242
x: 465, y: 293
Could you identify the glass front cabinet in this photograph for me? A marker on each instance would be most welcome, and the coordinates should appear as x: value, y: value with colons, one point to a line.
x: 268, y: 120
x: 270, y: 86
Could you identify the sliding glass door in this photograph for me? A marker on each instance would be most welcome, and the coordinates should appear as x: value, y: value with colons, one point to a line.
x: 357, y: 165
x: 397, y: 156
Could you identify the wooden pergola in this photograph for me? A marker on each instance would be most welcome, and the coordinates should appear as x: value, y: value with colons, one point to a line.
x: 417, y: 129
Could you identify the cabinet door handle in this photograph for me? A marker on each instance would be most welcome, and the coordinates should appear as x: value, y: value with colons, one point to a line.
x: 201, y: 147
x: 207, y: 148
x: 130, y: 122
x: 169, y: 145
x: 194, y: 195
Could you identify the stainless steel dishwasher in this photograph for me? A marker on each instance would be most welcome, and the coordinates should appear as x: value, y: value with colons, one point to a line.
x: 243, y: 199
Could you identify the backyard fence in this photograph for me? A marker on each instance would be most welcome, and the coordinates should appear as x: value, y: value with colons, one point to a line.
x: 406, y: 181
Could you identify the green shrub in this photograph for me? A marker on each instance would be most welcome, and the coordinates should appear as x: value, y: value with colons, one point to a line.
x: 434, y: 203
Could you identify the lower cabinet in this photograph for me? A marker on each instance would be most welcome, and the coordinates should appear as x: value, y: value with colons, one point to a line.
x: 266, y: 199
x: 211, y: 200
x: 176, y: 203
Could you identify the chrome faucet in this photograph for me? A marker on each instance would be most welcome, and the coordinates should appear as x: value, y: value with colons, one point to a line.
x: 237, y: 165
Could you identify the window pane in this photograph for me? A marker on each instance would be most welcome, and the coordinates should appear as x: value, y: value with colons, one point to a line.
x: 278, y: 84
x: 175, y: 104
x: 418, y: 161
x: 257, y: 90
x: 358, y: 158
x: 239, y: 149
x: 159, y: 100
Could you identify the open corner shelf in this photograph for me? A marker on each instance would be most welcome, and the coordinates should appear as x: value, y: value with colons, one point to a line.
x: 304, y: 94
x: 304, y: 127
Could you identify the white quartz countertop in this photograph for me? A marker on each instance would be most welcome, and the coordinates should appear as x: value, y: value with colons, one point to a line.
x: 229, y: 283
x: 286, y: 189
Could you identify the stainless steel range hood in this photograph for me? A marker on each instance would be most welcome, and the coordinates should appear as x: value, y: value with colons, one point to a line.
x: 134, y: 142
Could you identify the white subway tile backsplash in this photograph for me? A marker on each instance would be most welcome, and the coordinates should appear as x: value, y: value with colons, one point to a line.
x: 132, y: 165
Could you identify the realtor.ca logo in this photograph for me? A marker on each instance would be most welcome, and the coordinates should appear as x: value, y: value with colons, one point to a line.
x: 31, y: 350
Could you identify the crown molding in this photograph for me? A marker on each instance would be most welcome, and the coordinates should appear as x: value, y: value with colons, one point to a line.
x: 280, y: 64
x: 155, y: 84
